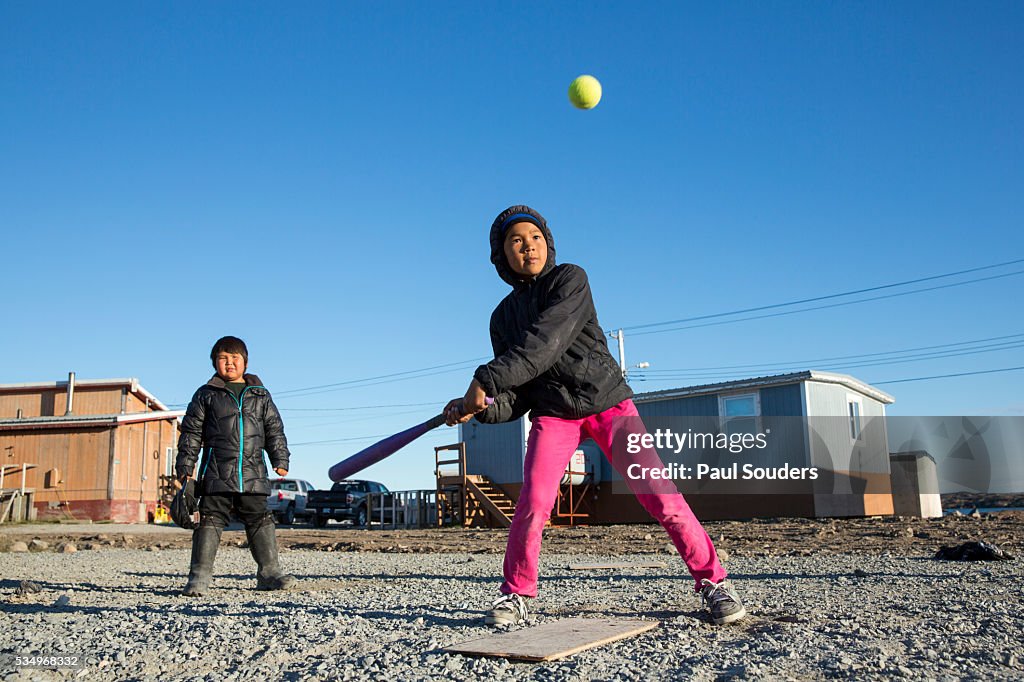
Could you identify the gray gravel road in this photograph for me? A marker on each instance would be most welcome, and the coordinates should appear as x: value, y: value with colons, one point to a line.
x: 362, y: 616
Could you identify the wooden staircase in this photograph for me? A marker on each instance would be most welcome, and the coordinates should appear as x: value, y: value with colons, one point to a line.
x: 499, y: 507
x: 468, y: 499
x: 473, y: 500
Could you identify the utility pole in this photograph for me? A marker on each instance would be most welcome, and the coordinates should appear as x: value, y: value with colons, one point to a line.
x: 621, y: 336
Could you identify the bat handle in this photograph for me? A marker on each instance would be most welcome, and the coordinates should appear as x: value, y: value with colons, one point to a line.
x: 488, y: 400
x: 440, y: 419
x: 435, y: 422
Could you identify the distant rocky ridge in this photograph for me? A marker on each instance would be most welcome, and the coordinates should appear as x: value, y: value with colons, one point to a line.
x: 982, y: 500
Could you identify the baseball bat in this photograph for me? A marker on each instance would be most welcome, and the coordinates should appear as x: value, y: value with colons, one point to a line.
x: 383, y: 448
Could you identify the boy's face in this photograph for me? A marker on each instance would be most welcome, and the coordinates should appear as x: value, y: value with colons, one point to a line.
x: 230, y: 366
x: 526, y: 249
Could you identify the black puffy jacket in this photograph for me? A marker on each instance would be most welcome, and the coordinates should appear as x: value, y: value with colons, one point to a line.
x: 551, y: 357
x: 231, y: 435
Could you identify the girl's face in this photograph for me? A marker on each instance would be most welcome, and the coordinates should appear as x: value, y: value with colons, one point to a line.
x: 526, y: 249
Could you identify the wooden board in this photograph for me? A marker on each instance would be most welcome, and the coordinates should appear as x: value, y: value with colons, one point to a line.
x: 555, y: 640
x: 642, y: 564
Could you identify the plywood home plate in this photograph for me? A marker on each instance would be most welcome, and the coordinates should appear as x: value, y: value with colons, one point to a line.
x: 592, y: 567
x: 555, y: 640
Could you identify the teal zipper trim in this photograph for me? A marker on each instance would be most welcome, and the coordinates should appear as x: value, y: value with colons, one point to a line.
x: 209, y: 455
x: 241, y: 438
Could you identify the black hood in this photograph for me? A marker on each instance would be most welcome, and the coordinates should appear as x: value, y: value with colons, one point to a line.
x: 498, y: 242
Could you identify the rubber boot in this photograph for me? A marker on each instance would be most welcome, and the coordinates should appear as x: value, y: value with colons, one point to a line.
x: 263, y: 545
x: 205, y: 541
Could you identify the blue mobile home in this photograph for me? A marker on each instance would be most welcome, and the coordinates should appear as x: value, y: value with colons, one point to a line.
x: 831, y: 422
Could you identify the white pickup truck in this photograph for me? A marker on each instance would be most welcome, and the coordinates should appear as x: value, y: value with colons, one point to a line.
x: 287, y: 500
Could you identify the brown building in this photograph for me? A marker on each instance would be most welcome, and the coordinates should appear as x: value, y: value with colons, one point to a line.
x: 101, y: 448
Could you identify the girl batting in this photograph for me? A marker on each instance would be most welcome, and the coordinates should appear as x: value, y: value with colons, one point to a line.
x: 551, y: 360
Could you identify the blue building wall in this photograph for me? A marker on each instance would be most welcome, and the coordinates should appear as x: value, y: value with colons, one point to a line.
x: 782, y: 401
x: 692, y: 406
x: 495, y: 450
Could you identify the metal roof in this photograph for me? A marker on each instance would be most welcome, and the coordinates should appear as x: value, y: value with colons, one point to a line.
x: 773, y: 380
x: 131, y: 382
x: 95, y: 420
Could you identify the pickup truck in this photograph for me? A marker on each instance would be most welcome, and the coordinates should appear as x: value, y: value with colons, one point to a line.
x: 288, y: 500
x: 345, y: 501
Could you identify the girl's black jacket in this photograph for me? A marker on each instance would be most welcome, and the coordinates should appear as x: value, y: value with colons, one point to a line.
x: 231, y: 435
x: 550, y: 354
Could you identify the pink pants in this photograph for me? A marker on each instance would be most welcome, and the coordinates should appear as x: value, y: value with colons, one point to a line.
x: 552, y: 443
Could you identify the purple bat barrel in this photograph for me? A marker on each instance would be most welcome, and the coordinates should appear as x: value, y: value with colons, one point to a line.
x: 384, y: 448
x: 381, y: 449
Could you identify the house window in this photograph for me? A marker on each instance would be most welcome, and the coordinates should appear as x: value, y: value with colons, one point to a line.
x: 739, y: 413
x: 855, y: 409
x: 169, y: 462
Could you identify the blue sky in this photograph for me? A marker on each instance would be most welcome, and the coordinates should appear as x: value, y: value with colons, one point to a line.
x: 319, y: 179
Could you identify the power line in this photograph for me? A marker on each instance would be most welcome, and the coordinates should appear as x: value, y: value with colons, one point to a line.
x: 362, y: 419
x: 933, y: 356
x: 342, y: 386
x: 826, y: 297
x: 947, y: 376
x: 374, y: 378
x: 382, y: 379
x: 359, y: 438
x: 377, y: 383
x: 459, y: 365
x: 873, y: 383
x: 839, y: 357
x: 359, y: 407
x: 900, y: 381
x: 776, y: 369
x: 339, y: 440
x: 783, y: 370
x: 831, y: 305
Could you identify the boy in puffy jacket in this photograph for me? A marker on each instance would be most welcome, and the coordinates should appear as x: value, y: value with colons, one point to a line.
x: 230, y: 422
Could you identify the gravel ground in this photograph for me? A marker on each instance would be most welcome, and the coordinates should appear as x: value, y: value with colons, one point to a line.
x: 904, y: 536
x: 366, y: 615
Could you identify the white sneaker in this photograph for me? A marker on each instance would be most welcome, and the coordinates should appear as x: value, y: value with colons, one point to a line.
x: 508, y: 609
x: 723, y: 602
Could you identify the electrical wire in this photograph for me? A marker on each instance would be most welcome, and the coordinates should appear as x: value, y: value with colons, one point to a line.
x: 463, y: 364
x: 824, y: 307
x: 359, y: 438
x: 383, y: 378
x: 455, y: 366
x: 873, y: 383
x: 840, y: 357
x: 947, y: 376
x: 779, y: 369
x: 360, y: 420
x: 827, y: 296
x: 358, y: 407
